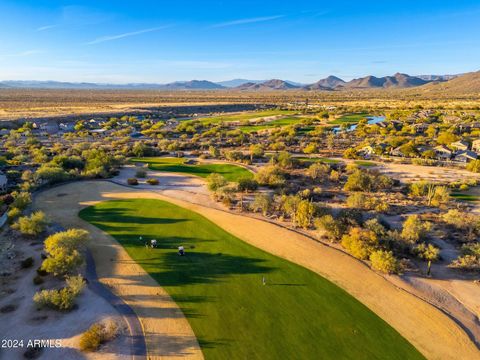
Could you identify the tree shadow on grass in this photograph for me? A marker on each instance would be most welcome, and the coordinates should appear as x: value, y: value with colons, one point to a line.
x: 99, y: 217
x: 163, y: 242
x: 201, y: 268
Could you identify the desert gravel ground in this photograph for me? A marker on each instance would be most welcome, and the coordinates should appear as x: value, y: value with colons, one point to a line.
x: 435, y: 334
x: 167, y: 333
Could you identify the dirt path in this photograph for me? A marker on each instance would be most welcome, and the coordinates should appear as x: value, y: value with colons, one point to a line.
x: 409, y: 173
x: 137, y: 338
x: 167, y: 333
x: 432, y: 332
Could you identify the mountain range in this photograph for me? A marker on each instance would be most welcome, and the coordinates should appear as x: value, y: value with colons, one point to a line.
x: 396, y: 81
x: 469, y: 81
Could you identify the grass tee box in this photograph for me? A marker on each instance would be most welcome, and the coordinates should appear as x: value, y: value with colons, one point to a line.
x: 218, y: 285
x: 228, y: 171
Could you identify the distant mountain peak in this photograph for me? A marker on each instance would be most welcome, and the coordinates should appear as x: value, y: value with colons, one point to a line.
x: 398, y: 80
x: 329, y: 83
x: 273, y: 84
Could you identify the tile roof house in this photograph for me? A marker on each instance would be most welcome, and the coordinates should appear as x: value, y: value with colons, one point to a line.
x: 443, y: 152
x: 460, y: 145
x: 476, y: 145
x: 3, y: 181
x: 466, y: 156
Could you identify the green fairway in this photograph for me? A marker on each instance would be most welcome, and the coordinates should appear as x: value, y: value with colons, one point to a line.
x: 229, y: 171
x: 272, y: 124
x: 218, y: 285
x: 464, y: 197
x: 242, y: 116
x: 349, y: 119
x: 365, y: 163
x: 306, y: 159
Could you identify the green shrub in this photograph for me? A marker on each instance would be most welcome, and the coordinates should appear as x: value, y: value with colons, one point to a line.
x: 474, y: 166
x: 96, y: 335
x: 141, y: 173
x: 27, y: 263
x: 384, y: 261
x: 21, y: 200
x: 246, y: 185
x: 32, y: 225
x: 361, y: 180
x: 13, y: 213
x: 92, y: 338
x: 37, y: 280
x: 318, y: 171
x: 333, y: 228
x: 50, y: 174
x: 132, y: 181
x: 463, y: 187
x: 41, y: 272
x: 415, y: 229
x: 360, y: 242
x: 469, y: 258
x: 153, y: 181
x: 262, y: 203
x: 270, y: 175
x: 62, y: 299
x: 215, y: 181
x: 63, y: 251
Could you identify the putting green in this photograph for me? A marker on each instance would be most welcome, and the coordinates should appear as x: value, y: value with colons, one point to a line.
x: 218, y: 285
x: 228, y: 171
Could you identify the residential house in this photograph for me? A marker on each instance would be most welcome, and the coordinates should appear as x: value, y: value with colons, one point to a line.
x: 397, y: 152
x: 442, y: 152
x: 451, y: 119
x: 462, y: 128
x: 466, y: 156
x: 420, y: 128
x: 48, y: 128
x: 67, y: 127
x: 98, y: 132
x: 136, y: 135
x: 476, y: 145
x: 475, y: 126
x: 459, y: 145
x: 395, y: 123
x: 366, y: 151
x: 3, y: 182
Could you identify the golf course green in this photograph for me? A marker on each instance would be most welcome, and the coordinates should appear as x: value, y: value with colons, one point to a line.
x: 243, y: 116
x: 228, y: 171
x: 219, y: 286
x: 349, y: 119
x: 279, y: 123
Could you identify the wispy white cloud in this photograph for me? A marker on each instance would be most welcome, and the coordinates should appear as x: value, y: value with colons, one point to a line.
x: 124, y: 35
x: 21, y: 54
x: 47, y: 27
x: 247, y: 21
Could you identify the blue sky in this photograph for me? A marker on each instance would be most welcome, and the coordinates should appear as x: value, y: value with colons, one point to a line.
x: 162, y: 41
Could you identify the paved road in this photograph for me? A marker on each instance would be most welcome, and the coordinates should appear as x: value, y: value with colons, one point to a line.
x: 138, y: 346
